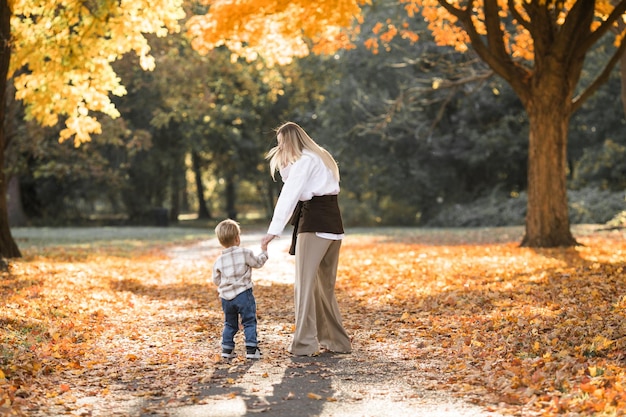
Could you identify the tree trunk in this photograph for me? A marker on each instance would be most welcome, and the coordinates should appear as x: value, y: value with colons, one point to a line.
x: 203, y: 210
x: 231, y: 197
x: 622, y: 67
x: 547, y: 216
x: 17, y: 217
x: 622, y: 72
x: 177, y: 186
x: 8, y: 247
x: 270, y: 200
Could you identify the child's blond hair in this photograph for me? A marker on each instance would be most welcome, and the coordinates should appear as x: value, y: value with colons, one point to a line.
x: 227, y: 232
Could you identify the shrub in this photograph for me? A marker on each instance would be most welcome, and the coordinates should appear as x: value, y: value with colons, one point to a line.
x: 588, y: 205
x: 593, y: 205
x: 487, y: 211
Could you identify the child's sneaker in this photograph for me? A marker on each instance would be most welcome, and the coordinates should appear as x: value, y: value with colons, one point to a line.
x: 253, y: 352
x: 228, y: 353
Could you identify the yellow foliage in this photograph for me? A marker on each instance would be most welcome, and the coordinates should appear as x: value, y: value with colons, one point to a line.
x: 276, y: 30
x: 63, y: 52
x: 63, y: 49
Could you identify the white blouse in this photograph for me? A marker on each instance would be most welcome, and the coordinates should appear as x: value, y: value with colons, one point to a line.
x: 304, y: 179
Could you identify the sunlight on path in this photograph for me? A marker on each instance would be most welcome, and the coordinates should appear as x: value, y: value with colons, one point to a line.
x: 278, y: 269
x: 159, y: 354
x: 366, y: 383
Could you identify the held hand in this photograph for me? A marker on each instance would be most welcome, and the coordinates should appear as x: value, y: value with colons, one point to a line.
x: 266, y: 240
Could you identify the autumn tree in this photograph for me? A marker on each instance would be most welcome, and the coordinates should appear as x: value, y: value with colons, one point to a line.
x: 59, y: 54
x: 536, y: 46
x: 539, y: 48
x: 8, y: 248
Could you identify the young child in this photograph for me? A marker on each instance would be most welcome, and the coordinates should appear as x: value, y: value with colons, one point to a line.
x: 232, y: 274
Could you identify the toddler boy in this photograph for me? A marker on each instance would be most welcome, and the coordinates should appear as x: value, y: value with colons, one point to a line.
x: 232, y: 273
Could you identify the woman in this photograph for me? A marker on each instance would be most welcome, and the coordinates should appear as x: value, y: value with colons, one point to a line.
x: 309, y: 199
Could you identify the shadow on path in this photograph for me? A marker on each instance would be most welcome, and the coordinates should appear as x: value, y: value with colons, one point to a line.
x: 365, y: 383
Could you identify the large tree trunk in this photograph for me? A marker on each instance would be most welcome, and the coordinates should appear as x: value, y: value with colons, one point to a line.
x: 547, y: 216
x: 8, y: 247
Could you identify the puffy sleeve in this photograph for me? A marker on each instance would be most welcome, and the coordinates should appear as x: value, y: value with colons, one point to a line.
x: 295, y: 182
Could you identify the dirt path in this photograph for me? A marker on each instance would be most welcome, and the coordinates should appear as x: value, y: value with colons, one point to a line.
x: 185, y: 376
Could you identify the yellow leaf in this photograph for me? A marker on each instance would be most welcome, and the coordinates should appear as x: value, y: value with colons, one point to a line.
x: 314, y: 396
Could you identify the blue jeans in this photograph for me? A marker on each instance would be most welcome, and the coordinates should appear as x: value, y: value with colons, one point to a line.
x: 243, y: 305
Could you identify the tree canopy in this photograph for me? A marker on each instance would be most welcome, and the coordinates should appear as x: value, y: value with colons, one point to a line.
x: 537, y: 46
x: 62, y: 54
x: 62, y: 58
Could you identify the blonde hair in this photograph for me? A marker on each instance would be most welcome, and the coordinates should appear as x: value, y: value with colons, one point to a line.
x: 227, y: 232
x: 293, y: 139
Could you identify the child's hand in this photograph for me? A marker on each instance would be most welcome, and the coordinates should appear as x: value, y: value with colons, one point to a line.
x: 264, y: 246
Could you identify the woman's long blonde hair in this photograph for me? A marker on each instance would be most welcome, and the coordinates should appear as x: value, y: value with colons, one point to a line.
x: 293, y: 140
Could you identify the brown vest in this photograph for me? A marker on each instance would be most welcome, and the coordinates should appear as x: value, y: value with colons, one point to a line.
x: 319, y: 214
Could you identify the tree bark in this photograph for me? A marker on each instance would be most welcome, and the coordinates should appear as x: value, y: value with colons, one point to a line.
x: 231, y: 197
x: 177, y: 181
x: 622, y: 65
x: 547, y: 215
x: 622, y: 69
x: 8, y: 247
x: 17, y: 217
x: 203, y: 210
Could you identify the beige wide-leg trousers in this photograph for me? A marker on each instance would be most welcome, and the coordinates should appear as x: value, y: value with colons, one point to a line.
x: 318, y: 321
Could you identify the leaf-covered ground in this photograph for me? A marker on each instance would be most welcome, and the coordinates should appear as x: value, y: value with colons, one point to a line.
x: 516, y: 330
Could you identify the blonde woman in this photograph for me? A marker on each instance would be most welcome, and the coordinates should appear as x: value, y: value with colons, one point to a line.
x: 309, y: 199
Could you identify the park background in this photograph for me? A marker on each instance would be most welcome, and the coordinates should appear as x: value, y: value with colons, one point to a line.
x: 424, y: 136
x: 435, y: 150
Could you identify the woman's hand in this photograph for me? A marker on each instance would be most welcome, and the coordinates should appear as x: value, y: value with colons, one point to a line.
x: 267, y: 239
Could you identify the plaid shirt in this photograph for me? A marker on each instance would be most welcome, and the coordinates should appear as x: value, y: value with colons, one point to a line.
x: 232, y: 272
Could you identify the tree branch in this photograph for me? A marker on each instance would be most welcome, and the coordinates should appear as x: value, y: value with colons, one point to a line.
x: 617, y: 13
x: 574, y: 31
x: 518, y: 16
x: 601, y: 79
x: 495, y: 35
x: 494, y: 55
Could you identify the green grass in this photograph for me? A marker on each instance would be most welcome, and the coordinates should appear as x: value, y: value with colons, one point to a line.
x: 125, y: 238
